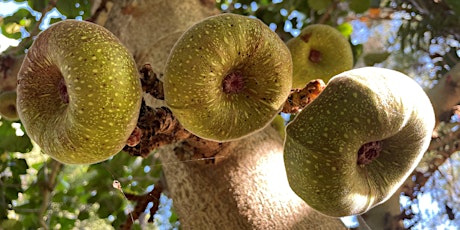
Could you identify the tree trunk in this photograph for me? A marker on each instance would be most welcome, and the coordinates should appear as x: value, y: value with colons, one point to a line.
x: 246, y: 189
x: 446, y: 94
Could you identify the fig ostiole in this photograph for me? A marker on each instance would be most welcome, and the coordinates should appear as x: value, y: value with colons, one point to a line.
x: 8, y: 108
x: 356, y: 143
x: 227, y: 77
x: 319, y: 52
x: 79, y: 92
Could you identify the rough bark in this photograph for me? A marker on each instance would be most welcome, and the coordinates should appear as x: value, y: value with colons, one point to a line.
x: 446, y: 94
x: 245, y: 189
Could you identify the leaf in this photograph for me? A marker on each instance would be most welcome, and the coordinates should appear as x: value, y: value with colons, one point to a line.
x: 357, y: 52
x: 108, y: 204
x: 319, y: 5
x: 11, y: 224
x: 11, y: 30
x: 360, y: 6
x: 454, y: 5
x: 9, y: 142
x: 68, y: 8
x: 83, y: 215
x: 38, y: 5
x: 346, y: 29
x: 17, y: 16
x: 11, y: 25
x: 54, y: 20
x: 371, y: 59
x: 19, y: 166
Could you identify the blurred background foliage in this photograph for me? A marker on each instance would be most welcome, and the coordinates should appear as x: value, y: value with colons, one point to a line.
x: 418, y: 37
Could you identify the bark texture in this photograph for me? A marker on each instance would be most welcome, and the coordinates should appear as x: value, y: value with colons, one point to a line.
x: 246, y: 188
x: 446, y: 94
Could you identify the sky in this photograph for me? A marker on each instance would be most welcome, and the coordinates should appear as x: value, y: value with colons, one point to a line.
x: 6, y: 9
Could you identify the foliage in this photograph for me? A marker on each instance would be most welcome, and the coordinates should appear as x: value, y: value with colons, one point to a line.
x: 36, y: 191
x: 432, y: 27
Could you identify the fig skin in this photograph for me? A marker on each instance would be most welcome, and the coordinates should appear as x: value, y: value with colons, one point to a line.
x: 319, y: 52
x: 227, y: 77
x: 8, y: 108
x: 366, y: 105
x: 79, y: 92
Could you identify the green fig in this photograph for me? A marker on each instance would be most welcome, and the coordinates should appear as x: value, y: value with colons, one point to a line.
x: 319, y: 52
x: 79, y: 92
x: 227, y: 77
x: 8, y: 108
x: 356, y: 143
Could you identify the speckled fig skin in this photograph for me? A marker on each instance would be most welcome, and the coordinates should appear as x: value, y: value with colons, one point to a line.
x: 209, y: 52
x: 79, y: 92
x: 319, y: 52
x: 8, y: 108
x: 357, y: 107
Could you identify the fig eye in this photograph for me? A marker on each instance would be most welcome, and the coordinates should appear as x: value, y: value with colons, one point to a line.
x: 319, y: 52
x: 358, y: 139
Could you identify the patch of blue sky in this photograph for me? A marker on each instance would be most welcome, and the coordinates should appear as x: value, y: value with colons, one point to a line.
x: 361, y: 32
x: 162, y: 216
x: 254, y: 6
x: 8, y: 8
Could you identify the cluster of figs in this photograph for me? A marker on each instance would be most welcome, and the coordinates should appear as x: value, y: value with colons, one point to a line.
x: 227, y: 77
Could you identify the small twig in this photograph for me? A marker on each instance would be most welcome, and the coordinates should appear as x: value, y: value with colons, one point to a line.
x: 444, y: 146
x: 142, y: 202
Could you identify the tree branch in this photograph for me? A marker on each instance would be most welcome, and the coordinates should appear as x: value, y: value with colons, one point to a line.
x: 47, y: 188
x: 142, y: 202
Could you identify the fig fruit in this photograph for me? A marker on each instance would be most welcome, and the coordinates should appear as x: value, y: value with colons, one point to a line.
x: 227, y: 77
x: 356, y: 143
x: 319, y: 52
x: 79, y: 92
x: 8, y: 108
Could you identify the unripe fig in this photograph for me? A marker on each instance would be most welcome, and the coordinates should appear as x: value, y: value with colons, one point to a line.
x: 356, y: 143
x: 8, y: 108
x: 319, y: 52
x: 79, y: 92
x: 227, y: 77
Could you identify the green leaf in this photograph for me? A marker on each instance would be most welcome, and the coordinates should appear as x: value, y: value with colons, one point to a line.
x: 371, y: 59
x: 360, y: 6
x: 11, y: 30
x: 346, y: 29
x: 319, y: 5
x: 357, y: 52
x: 19, y: 166
x: 38, y: 5
x: 109, y: 204
x: 11, y: 224
x: 11, y: 25
x: 9, y: 142
x: 74, y: 8
x: 18, y: 16
x: 54, y: 20
x: 454, y: 5
x: 83, y: 215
